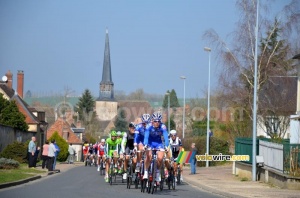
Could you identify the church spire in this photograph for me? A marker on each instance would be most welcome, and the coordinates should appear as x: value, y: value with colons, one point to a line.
x: 106, y: 85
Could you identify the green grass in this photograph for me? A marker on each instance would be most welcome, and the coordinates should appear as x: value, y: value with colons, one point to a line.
x: 23, y: 172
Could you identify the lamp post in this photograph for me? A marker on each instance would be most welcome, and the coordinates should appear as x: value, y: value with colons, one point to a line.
x: 168, y: 94
x: 183, y: 115
x: 254, y: 122
x: 208, y: 104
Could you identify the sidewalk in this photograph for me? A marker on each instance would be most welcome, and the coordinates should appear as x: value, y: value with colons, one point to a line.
x: 220, y: 180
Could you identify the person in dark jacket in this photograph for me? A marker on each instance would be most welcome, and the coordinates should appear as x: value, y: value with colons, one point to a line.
x: 194, y: 160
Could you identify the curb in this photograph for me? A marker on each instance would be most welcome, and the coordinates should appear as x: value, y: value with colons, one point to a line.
x: 23, y: 181
x: 15, y: 183
x: 211, y: 190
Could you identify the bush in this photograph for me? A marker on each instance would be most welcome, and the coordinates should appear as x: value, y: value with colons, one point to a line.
x: 216, y: 146
x: 16, y: 151
x: 63, y: 146
x: 8, y: 163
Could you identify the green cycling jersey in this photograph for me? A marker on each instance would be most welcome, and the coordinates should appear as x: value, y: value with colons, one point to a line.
x: 112, y: 145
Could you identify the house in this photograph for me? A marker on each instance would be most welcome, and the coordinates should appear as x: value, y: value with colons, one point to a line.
x: 34, y: 118
x: 69, y: 133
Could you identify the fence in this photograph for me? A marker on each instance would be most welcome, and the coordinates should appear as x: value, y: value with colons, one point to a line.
x: 272, y: 154
x: 284, y: 157
x: 243, y: 146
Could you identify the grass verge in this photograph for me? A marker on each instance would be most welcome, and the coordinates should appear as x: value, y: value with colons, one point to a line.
x: 23, y: 172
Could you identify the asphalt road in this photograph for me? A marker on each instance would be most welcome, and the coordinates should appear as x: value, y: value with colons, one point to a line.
x: 86, y: 182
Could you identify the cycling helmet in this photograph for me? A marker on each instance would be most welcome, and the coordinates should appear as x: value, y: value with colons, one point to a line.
x: 131, y: 124
x: 146, y: 118
x: 102, y: 140
x: 113, y: 133
x: 156, y: 116
x: 173, y: 132
x: 119, y: 133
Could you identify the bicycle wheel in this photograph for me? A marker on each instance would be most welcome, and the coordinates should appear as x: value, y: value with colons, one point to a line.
x: 111, y: 173
x: 153, y: 182
x: 142, y: 186
x: 128, y: 177
x: 173, y: 183
x: 136, y: 181
x: 162, y: 175
x: 178, y: 175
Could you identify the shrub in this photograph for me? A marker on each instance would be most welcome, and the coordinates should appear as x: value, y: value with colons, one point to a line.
x: 16, y: 151
x: 63, y: 146
x: 8, y: 163
x: 216, y: 146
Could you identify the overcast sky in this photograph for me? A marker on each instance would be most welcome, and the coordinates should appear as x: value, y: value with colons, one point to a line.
x: 59, y: 44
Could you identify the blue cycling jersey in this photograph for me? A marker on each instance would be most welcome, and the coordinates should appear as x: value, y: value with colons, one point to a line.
x: 153, y: 135
x: 140, y: 133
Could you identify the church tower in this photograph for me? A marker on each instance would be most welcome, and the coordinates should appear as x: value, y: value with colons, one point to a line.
x: 106, y: 105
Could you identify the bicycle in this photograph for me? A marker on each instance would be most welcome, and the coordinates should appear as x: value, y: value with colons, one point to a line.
x: 171, y: 176
x: 102, y: 166
x: 178, y: 174
x: 151, y: 187
x: 112, y: 175
x: 130, y: 170
x: 140, y: 174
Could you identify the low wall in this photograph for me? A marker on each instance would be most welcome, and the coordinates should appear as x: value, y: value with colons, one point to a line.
x: 266, y: 175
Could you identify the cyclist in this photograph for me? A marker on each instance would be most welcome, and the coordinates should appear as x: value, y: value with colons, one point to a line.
x: 111, y: 151
x: 152, y: 140
x: 101, y: 152
x: 121, y: 157
x: 128, y: 146
x: 139, y: 137
x: 176, y: 147
x: 85, y: 149
x: 91, y: 154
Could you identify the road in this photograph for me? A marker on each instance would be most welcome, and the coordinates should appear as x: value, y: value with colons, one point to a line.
x: 86, y: 182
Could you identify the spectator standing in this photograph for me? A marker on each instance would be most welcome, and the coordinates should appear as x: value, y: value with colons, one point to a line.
x: 194, y: 160
x: 56, y: 154
x: 36, y: 154
x: 31, y: 152
x: 45, y: 154
x: 71, y: 151
x: 51, y: 155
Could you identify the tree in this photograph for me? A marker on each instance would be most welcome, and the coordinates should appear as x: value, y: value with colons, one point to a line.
x: 137, y: 95
x: 236, y: 79
x: 86, y: 113
x: 121, y: 124
x: 63, y: 146
x: 173, y: 100
x: 10, y: 114
x: 85, y: 107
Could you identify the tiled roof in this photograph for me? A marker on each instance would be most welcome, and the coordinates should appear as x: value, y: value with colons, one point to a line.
x: 59, y: 125
x: 8, y: 91
x: 25, y: 110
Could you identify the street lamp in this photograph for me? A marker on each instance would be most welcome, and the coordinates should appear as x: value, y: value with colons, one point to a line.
x: 183, y: 115
x: 208, y: 104
x: 168, y: 94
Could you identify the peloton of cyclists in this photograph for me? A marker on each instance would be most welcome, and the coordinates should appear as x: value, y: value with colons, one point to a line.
x: 152, y: 140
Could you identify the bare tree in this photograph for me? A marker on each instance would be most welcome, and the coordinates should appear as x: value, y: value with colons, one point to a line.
x: 237, y: 58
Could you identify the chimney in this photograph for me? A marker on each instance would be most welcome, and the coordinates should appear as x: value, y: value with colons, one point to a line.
x: 20, y: 83
x: 9, y: 79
